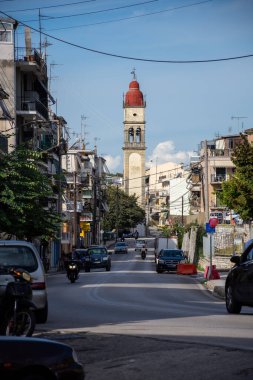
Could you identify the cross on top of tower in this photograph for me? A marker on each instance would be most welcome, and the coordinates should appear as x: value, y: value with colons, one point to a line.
x: 133, y: 72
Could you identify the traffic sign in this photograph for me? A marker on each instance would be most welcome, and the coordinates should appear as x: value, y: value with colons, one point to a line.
x: 209, y: 229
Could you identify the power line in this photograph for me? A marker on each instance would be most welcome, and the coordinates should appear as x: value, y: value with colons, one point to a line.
x: 133, y: 17
x: 94, y: 12
x: 50, y: 6
x: 127, y: 57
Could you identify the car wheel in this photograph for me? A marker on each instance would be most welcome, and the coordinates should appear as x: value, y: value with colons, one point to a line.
x: 108, y: 268
x: 232, y: 305
x: 159, y: 270
x: 41, y: 315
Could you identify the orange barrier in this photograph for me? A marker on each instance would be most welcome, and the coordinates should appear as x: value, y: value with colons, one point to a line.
x: 214, y: 275
x: 186, y: 269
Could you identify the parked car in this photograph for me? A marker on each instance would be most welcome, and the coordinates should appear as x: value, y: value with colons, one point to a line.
x: 19, y: 253
x: 121, y: 247
x: 168, y: 259
x: 139, y: 244
x: 239, y: 281
x: 40, y: 359
x: 97, y: 257
x: 128, y: 234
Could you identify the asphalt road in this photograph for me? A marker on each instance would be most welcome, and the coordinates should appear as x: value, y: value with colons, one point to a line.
x: 134, y: 323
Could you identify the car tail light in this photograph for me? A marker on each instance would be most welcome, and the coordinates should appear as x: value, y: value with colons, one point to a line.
x: 38, y: 285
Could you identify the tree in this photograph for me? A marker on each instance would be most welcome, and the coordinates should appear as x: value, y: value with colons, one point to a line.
x: 124, y: 211
x: 24, y: 195
x: 237, y: 193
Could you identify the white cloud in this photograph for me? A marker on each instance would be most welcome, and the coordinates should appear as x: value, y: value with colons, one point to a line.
x: 113, y: 163
x: 165, y: 152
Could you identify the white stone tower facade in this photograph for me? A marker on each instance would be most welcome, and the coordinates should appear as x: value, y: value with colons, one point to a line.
x: 134, y: 142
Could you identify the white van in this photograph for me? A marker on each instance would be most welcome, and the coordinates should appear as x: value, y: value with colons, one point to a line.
x: 19, y: 253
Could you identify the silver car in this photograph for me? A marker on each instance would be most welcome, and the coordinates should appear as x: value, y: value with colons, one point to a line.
x: 19, y: 253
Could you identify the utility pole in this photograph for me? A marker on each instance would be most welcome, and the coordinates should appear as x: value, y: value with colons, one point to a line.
x: 117, y: 213
x: 206, y: 185
x: 75, y: 213
x: 183, y: 210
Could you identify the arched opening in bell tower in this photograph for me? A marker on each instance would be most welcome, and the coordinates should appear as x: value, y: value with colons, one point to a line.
x: 131, y: 135
x: 138, y: 135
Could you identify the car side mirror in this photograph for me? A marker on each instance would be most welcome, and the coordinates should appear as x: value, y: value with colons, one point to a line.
x: 235, y: 259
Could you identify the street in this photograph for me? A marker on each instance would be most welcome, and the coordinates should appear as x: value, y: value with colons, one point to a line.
x: 147, y: 324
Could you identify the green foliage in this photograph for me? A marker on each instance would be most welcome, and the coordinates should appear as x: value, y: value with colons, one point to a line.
x: 124, y: 212
x: 237, y: 193
x: 24, y: 194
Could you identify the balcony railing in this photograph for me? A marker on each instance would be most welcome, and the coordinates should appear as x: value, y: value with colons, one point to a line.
x: 218, y: 178
x: 23, y: 54
x: 220, y: 152
x: 27, y: 104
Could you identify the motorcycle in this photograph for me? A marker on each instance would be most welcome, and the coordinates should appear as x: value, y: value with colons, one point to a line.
x: 17, y: 316
x: 143, y: 253
x: 72, y: 268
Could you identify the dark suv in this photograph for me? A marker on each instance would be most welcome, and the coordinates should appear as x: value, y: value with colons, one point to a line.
x: 239, y: 281
x: 168, y: 259
x: 97, y: 257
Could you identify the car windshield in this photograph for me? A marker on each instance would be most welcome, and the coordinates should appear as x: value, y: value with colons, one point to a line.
x: 140, y: 242
x: 97, y: 251
x: 171, y: 253
x: 18, y: 256
x: 120, y: 244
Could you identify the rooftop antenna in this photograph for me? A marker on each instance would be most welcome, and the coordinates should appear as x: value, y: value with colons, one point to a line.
x: 40, y: 29
x: 83, y: 133
x: 238, y: 118
x: 50, y: 72
x: 44, y: 45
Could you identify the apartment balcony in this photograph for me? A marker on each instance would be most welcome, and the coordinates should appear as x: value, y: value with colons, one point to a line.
x: 220, y: 152
x: 70, y: 206
x: 29, y: 107
x: 87, y: 193
x: 30, y: 60
x: 216, y: 179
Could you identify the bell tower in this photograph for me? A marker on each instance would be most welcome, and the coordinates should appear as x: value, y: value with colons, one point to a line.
x: 134, y: 141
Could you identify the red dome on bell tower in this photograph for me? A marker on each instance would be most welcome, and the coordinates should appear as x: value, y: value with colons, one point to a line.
x: 134, y: 97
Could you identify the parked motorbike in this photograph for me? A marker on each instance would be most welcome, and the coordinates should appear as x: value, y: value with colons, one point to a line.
x: 16, y: 308
x: 143, y: 253
x: 72, y: 268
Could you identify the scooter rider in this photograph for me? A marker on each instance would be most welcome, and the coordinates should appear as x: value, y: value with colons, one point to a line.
x: 143, y: 252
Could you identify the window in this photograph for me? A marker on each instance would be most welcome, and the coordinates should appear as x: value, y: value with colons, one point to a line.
x: 5, y: 32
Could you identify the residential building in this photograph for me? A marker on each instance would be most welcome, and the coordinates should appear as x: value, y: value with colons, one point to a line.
x: 160, y: 207
x: 209, y: 168
x: 84, y: 202
x: 26, y: 117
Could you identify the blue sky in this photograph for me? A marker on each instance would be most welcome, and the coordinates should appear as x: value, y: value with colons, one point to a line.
x: 186, y: 103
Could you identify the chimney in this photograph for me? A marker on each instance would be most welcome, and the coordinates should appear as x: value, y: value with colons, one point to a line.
x: 28, y: 42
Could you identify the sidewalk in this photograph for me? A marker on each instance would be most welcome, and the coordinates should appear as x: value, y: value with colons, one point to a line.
x: 217, y: 287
